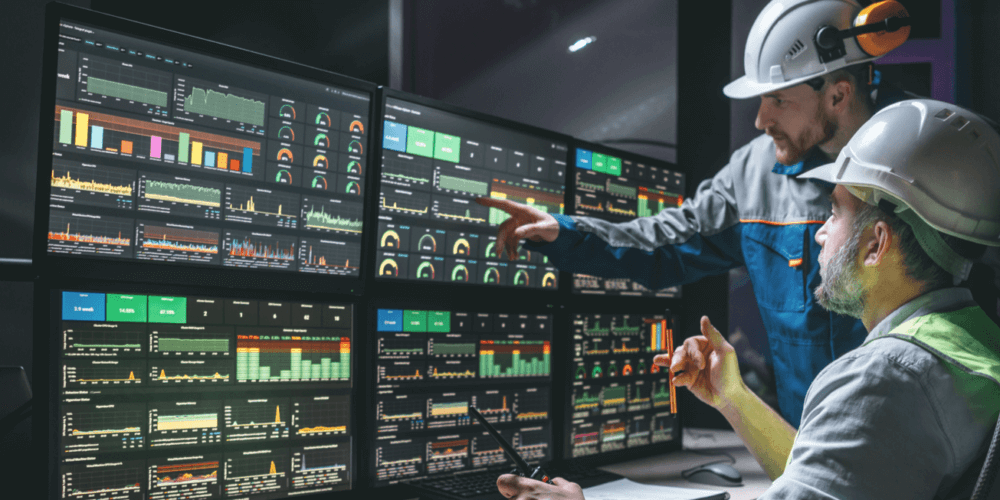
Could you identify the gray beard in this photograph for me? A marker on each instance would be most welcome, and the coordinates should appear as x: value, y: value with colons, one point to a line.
x: 840, y: 290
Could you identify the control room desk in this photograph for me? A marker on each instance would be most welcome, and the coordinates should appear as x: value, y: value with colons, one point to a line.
x: 666, y: 469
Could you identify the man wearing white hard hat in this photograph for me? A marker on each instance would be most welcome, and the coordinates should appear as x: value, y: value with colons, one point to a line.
x: 816, y: 85
x: 910, y: 413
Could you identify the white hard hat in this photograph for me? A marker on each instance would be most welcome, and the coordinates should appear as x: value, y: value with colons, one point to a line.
x: 929, y: 158
x: 781, y: 50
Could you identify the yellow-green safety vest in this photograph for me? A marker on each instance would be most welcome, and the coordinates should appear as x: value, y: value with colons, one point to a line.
x: 968, y: 343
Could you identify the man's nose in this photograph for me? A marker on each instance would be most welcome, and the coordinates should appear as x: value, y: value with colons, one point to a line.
x: 821, y: 235
x: 765, y: 118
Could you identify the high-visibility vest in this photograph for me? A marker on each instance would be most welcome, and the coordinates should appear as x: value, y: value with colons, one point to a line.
x: 968, y: 344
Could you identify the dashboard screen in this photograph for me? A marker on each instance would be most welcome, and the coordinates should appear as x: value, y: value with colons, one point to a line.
x: 165, y: 155
x: 434, y: 165
x: 176, y: 397
x: 618, y: 399
x: 432, y: 365
x: 619, y: 190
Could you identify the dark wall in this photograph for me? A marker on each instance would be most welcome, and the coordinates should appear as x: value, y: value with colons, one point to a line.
x: 21, y: 24
x: 703, y: 47
x: 346, y: 37
x: 512, y: 59
x: 981, y: 52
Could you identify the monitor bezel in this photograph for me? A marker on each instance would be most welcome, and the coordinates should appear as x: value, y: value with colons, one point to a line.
x: 47, y: 294
x: 414, y: 287
x: 50, y: 265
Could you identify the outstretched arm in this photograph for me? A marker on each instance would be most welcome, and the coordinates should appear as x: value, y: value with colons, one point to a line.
x: 676, y: 246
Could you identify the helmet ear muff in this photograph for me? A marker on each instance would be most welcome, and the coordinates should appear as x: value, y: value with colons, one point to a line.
x: 878, y: 28
x: 881, y: 42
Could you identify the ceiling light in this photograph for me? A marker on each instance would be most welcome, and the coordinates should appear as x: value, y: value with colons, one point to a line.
x: 581, y: 43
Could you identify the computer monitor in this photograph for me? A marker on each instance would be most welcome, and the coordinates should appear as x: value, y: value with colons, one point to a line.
x: 201, y: 162
x: 618, y: 186
x: 436, y: 160
x: 164, y: 395
x: 431, y: 364
x: 618, y: 403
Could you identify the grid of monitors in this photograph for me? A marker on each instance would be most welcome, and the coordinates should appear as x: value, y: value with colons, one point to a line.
x: 165, y: 155
x: 432, y: 365
x: 179, y: 397
x: 434, y: 165
x: 618, y: 399
x: 619, y: 190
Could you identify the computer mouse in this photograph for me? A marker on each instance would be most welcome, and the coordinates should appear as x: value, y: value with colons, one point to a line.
x: 717, y: 474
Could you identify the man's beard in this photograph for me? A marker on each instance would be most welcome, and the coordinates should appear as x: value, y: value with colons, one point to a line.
x: 796, y: 150
x: 840, y: 289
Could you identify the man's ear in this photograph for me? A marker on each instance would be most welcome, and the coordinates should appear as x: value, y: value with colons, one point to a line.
x: 839, y: 95
x: 878, y: 245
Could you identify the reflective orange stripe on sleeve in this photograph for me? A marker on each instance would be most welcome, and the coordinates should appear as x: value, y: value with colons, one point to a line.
x: 772, y: 223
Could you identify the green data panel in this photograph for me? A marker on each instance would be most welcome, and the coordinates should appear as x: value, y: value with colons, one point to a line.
x: 414, y: 321
x: 167, y: 309
x: 439, y: 321
x: 183, y: 147
x: 446, y: 147
x: 600, y: 163
x: 66, y: 126
x: 614, y: 166
x: 127, y: 308
x: 420, y: 142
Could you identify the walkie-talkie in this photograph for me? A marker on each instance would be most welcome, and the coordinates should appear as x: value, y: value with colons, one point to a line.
x: 523, y: 469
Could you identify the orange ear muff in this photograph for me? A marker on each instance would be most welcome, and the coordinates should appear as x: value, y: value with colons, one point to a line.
x: 881, y: 42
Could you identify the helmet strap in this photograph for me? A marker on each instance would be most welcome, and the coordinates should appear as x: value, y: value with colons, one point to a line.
x: 932, y: 242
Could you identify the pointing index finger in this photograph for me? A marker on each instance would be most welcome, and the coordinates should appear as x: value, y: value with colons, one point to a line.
x: 496, y: 203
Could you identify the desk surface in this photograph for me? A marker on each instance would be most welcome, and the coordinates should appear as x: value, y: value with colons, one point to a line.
x: 698, y: 443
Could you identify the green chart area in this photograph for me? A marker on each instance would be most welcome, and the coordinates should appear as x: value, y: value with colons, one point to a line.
x: 169, y: 344
x: 447, y: 349
x: 613, y: 396
x: 586, y: 401
x: 626, y: 330
x: 513, y: 358
x: 262, y: 358
x: 646, y: 211
x: 225, y: 106
x: 321, y: 220
x: 596, y: 329
x: 127, y: 92
x: 661, y: 396
x: 183, y: 193
x: 467, y: 185
x: 621, y: 190
x: 497, y: 216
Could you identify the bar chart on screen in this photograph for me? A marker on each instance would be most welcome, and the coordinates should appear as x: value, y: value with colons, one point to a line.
x: 105, y: 134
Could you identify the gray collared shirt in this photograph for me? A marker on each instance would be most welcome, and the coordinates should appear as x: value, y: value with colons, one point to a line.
x: 885, y: 421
